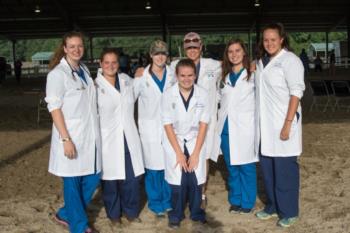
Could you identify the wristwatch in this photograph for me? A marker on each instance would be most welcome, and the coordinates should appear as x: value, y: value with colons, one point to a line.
x: 63, y: 140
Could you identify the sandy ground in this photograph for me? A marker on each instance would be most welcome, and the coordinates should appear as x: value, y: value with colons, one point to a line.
x: 29, y: 195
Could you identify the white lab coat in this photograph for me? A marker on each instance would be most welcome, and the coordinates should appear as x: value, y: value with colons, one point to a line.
x: 238, y: 104
x: 282, y: 77
x: 209, y: 76
x: 186, y: 126
x: 116, y: 112
x: 149, y: 118
x: 77, y: 102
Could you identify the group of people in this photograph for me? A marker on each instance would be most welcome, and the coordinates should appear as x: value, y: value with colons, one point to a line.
x: 188, y: 112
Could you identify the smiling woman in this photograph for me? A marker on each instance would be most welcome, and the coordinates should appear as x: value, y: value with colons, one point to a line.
x: 122, y: 164
x: 280, y: 86
x: 235, y: 132
x: 75, y: 144
x: 109, y: 64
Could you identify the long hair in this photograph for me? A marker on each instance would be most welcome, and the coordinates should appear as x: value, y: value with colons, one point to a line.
x: 227, y: 65
x: 281, y: 32
x: 59, y: 52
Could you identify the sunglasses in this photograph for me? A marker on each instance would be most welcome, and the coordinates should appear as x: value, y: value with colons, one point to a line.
x: 195, y: 40
x: 160, y: 53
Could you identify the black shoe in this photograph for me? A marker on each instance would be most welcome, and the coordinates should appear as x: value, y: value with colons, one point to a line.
x: 203, y: 222
x: 116, y: 221
x: 174, y: 225
x: 245, y: 211
x: 234, y: 209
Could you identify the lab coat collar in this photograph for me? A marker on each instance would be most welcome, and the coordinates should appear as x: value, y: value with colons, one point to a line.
x: 106, y: 84
x: 202, y: 68
x: 176, y: 94
x: 151, y: 82
x: 68, y: 69
x: 242, y: 76
x: 272, y: 61
x: 64, y: 62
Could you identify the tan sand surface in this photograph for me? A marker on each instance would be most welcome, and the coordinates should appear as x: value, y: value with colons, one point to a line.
x: 29, y: 195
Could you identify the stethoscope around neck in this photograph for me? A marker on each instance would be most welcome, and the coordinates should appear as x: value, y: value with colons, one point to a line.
x: 75, y: 71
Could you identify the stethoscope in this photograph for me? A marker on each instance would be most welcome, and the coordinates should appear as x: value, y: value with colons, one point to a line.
x: 75, y: 71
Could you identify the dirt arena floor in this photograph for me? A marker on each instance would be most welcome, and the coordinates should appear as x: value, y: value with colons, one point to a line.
x: 29, y: 195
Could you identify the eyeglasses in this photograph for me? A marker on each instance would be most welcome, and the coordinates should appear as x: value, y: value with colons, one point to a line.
x: 195, y: 40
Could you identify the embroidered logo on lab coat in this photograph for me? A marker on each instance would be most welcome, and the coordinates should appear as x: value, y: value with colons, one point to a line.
x: 210, y: 73
x: 194, y: 128
x: 277, y: 65
x: 199, y: 105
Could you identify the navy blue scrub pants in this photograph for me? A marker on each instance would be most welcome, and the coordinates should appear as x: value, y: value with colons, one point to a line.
x: 241, y: 179
x: 190, y: 191
x: 281, y: 178
x: 122, y: 196
x: 77, y: 193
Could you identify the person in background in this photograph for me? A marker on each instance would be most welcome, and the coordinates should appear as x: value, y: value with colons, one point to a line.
x: 185, y: 116
x: 18, y: 71
x: 2, y: 70
x: 122, y: 163
x: 332, y: 63
x: 75, y: 143
x: 318, y: 63
x: 235, y: 130
x: 124, y: 63
x: 149, y: 90
x: 279, y: 88
x: 305, y: 60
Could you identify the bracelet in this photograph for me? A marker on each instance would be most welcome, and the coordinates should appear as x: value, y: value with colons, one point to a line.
x: 63, y: 140
x: 289, y: 120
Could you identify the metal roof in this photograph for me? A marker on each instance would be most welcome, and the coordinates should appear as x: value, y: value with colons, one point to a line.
x: 129, y: 17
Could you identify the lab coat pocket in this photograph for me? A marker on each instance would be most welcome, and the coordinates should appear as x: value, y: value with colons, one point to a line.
x: 198, y: 110
x: 247, y: 122
x: 74, y: 99
x: 276, y: 76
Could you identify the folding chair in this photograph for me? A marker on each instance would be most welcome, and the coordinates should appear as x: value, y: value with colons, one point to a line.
x: 320, y: 94
x: 42, y: 108
x: 341, y: 90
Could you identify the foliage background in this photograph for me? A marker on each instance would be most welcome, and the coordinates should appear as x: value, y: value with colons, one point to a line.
x: 134, y: 45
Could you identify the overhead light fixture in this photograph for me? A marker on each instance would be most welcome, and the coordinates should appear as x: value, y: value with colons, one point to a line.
x: 257, y: 3
x: 148, y: 6
x: 37, y: 9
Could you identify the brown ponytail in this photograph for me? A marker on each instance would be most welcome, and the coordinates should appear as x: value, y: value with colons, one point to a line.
x: 59, y: 52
